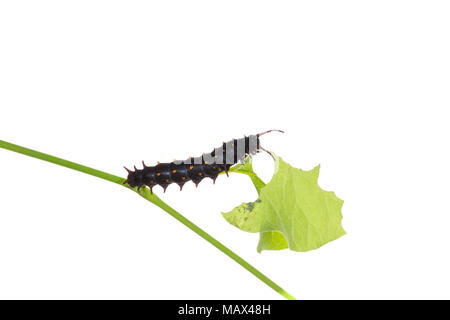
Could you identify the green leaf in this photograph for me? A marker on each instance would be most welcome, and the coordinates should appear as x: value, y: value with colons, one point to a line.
x: 292, y: 211
x: 247, y: 168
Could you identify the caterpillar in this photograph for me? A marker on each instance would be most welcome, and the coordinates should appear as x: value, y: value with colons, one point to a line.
x: 196, y: 169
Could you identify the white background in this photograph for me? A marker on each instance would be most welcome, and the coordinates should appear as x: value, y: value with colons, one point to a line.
x: 361, y: 87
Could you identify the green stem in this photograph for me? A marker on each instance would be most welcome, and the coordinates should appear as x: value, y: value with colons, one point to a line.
x: 257, y: 182
x: 145, y: 192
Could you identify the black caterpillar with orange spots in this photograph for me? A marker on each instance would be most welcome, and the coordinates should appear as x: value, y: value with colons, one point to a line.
x: 196, y: 169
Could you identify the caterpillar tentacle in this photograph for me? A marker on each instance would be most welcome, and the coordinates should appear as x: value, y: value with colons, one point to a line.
x: 208, y: 165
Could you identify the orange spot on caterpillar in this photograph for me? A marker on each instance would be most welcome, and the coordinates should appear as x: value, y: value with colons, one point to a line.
x: 190, y: 167
x: 174, y: 171
x: 158, y: 174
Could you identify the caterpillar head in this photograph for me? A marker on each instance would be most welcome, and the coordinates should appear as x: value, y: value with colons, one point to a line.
x: 258, y: 145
